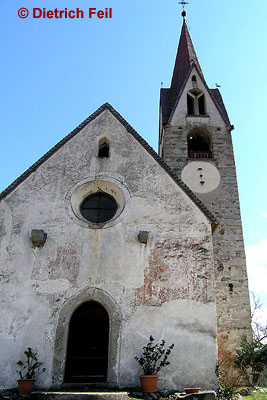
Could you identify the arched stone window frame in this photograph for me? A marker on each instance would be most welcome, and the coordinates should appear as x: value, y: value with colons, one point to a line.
x: 62, y: 331
x: 200, y: 153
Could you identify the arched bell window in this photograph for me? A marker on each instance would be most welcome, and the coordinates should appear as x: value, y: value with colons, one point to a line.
x: 196, y: 102
x: 199, y: 144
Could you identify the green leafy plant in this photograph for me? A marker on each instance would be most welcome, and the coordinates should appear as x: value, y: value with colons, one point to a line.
x: 252, y: 358
x: 225, y: 392
x: 154, y: 356
x: 30, y: 368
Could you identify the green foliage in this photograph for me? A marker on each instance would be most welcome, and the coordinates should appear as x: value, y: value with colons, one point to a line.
x: 135, y: 398
x: 226, y: 392
x: 256, y: 395
x: 31, y: 367
x: 263, y: 378
x: 252, y: 358
x: 154, y: 357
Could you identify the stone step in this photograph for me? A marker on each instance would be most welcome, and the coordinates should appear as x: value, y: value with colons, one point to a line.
x: 79, y: 396
x: 202, y: 395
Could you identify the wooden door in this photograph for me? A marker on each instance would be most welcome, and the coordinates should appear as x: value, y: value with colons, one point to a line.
x: 87, y: 351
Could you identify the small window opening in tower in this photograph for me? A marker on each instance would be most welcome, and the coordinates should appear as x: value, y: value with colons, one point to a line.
x: 103, y: 148
x: 201, y: 105
x: 194, y: 78
x: 199, y: 145
x: 196, y: 102
x: 190, y: 105
x: 231, y: 287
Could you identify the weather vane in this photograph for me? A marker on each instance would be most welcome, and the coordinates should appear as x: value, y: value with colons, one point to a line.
x: 183, y: 3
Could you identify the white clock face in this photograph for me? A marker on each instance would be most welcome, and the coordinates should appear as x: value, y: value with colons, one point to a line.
x: 201, y: 176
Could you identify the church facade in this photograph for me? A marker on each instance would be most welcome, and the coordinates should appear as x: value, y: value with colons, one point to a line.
x: 104, y: 242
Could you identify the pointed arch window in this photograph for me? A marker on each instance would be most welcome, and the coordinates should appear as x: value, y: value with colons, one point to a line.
x: 196, y: 102
x: 199, y: 144
x: 190, y: 104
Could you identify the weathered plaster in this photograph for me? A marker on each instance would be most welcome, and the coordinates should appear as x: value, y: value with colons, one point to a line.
x: 41, y: 287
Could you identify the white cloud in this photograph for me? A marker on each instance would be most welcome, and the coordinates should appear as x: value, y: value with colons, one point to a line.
x: 265, y: 215
x: 257, y: 274
x: 257, y: 267
x: 260, y: 315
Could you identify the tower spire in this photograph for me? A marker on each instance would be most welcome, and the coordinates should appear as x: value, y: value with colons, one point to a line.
x: 186, y: 56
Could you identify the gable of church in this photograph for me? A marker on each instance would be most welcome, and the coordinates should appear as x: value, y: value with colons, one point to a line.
x: 150, y: 259
x: 197, y: 100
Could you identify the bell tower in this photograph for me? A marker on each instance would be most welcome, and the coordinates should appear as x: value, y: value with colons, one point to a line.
x: 195, y: 141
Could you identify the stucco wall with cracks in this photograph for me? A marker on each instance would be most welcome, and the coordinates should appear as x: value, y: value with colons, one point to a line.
x: 164, y: 288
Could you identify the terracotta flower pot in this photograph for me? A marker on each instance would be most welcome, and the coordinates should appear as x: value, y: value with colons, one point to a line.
x: 149, y: 383
x: 192, y: 390
x: 25, y: 386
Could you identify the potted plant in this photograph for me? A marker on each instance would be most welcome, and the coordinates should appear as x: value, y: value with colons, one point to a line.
x: 28, y: 371
x: 153, y: 358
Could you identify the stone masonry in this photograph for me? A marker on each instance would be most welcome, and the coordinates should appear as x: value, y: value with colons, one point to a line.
x: 232, y: 302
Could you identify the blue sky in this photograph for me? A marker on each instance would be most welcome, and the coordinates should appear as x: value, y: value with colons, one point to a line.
x: 56, y: 72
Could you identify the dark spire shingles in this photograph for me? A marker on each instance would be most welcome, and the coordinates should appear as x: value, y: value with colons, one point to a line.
x: 185, y: 57
x: 216, y: 95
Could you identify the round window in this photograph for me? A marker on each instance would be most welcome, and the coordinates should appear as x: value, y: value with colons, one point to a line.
x: 98, y: 207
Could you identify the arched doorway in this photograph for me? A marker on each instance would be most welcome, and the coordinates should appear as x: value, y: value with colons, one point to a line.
x: 87, y: 350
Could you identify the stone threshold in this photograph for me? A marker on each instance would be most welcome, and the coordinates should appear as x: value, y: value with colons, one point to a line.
x: 121, y: 395
x: 58, y: 395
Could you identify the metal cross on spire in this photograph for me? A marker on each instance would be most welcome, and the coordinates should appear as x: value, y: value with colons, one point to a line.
x: 183, y: 3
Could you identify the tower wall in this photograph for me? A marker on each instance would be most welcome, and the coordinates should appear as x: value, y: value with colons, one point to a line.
x: 232, y: 296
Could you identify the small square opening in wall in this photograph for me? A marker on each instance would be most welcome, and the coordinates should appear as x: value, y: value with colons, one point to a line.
x: 103, y: 148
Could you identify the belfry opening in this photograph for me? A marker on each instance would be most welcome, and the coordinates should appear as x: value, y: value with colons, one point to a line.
x: 87, y: 350
x: 199, y: 144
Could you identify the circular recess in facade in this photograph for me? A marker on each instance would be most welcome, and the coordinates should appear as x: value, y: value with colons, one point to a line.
x: 97, y: 203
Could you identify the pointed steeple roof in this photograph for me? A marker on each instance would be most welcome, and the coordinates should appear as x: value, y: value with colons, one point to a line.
x: 186, y: 60
x: 186, y: 56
